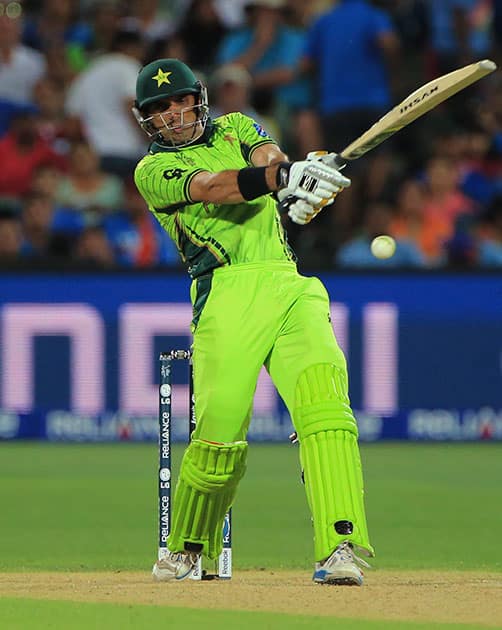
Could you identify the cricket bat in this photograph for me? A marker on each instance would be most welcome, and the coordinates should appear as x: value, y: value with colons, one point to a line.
x: 415, y: 105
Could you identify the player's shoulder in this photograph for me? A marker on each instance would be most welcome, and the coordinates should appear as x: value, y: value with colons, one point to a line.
x: 233, y: 119
x: 153, y: 158
x: 151, y: 165
x: 242, y: 124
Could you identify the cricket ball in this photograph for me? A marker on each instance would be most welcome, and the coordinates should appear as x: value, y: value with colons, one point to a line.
x: 383, y: 246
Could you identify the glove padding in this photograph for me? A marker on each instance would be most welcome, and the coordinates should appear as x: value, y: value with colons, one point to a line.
x: 301, y: 205
x: 312, y: 180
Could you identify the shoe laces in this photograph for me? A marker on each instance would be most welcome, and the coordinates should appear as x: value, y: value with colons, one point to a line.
x: 183, y: 556
x: 345, y: 551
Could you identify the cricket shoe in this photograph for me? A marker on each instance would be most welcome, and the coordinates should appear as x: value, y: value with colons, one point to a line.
x: 175, y: 566
x: 341, y: 567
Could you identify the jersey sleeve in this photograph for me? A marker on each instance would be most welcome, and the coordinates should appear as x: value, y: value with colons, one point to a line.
x: 251, y: 134
x: 164, y: 183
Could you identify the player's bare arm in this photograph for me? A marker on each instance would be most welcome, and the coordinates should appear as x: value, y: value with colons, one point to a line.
x: 223, y: 187
x: 268, y: 154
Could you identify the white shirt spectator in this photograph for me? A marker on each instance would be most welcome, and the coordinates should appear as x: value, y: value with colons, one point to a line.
x: 19, y: 75
x: 99, y: 97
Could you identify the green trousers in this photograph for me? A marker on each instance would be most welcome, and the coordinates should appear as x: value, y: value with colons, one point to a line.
x: 247, y: 316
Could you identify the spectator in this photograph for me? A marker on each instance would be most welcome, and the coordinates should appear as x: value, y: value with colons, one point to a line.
x: 356, y: 253
x: 461, y: 249
x: 460, y: 33
x: 45, y: 180
x: 10, y: 233
x: 100, y: 101
x: 149, y: 18
x: 171, y: 48
x: 479, y: 166
x: 443, y: 195
x: 427, y: 211
x: 104, y: 18
x: 56, y: 25
x: 93, y: 249
x: 20, y: 69
x: 490, y: 235
x: 231, y: 12
x: 410, y: 222
x: 52, y: 124
x: 411, y: 21
x: 230, y: 88
x: 22, y: 151
x: 137, y: 238
x: 267, y: 48
x: 85, y: 186
x: 202, y: 31
x: 296, y: 110
x: 349, y: 48
x: 37, y: 218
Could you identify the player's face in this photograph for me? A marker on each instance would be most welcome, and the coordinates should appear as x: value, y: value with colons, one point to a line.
x: 176, y: 119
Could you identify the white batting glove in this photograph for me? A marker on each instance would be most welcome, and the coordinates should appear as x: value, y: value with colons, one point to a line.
x: 299, y: 210
x: 311, y: 180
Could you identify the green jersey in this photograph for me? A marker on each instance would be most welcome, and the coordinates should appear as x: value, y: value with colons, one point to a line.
x: 210, y: 235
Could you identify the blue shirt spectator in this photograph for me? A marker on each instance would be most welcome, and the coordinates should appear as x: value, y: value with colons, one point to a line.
x: 460, y: 31
x: 443, y: 16
x: 490, y: 254
x: 127, y: 238
x: 281, y: 55
x: 345, y: 46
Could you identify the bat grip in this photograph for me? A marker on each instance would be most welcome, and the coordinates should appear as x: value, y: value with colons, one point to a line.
x: 339, y: 161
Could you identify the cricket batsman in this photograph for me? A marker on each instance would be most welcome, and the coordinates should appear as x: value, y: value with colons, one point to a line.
x: 213, y: 185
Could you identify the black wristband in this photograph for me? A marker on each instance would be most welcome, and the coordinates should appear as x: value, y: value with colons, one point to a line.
x: 252, y: 182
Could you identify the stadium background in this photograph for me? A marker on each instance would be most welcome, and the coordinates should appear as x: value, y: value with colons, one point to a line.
x: 90, y: 296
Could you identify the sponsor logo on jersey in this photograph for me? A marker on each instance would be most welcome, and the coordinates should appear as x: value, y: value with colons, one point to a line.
x: 174, y: 173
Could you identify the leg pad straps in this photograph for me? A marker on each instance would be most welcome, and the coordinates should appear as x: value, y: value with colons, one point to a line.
x: 206, y: 488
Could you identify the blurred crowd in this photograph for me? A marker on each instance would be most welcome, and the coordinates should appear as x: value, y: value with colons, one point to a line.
x: 315, y: 74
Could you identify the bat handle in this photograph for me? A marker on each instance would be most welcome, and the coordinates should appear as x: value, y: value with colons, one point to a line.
x: 339, y: 161
x: 334, y: 160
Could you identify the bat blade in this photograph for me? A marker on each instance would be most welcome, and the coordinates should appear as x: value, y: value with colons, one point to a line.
x: 415, y: 105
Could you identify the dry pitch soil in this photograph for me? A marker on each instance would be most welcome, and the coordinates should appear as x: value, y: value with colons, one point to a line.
x: 466, y: 597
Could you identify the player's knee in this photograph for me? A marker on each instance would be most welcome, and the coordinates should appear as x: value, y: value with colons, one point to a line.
x: 222, y: 418
x: 322, y: 401
x: 213, y: 468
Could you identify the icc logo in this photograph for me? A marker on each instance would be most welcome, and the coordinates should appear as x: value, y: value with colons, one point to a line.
x: 165, y: 474
x: 165, y: 390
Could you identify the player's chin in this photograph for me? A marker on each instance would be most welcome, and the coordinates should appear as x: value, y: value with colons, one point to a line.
x: 172, y: 138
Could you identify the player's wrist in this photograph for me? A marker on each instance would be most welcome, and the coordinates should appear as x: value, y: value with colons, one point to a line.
x: 252, y: 182
x: 256, y: 181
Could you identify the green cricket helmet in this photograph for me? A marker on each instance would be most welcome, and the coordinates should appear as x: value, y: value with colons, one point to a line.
x: 165, y: 79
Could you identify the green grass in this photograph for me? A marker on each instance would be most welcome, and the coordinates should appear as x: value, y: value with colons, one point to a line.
x: 93, y: 507
x: 26, y: 614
